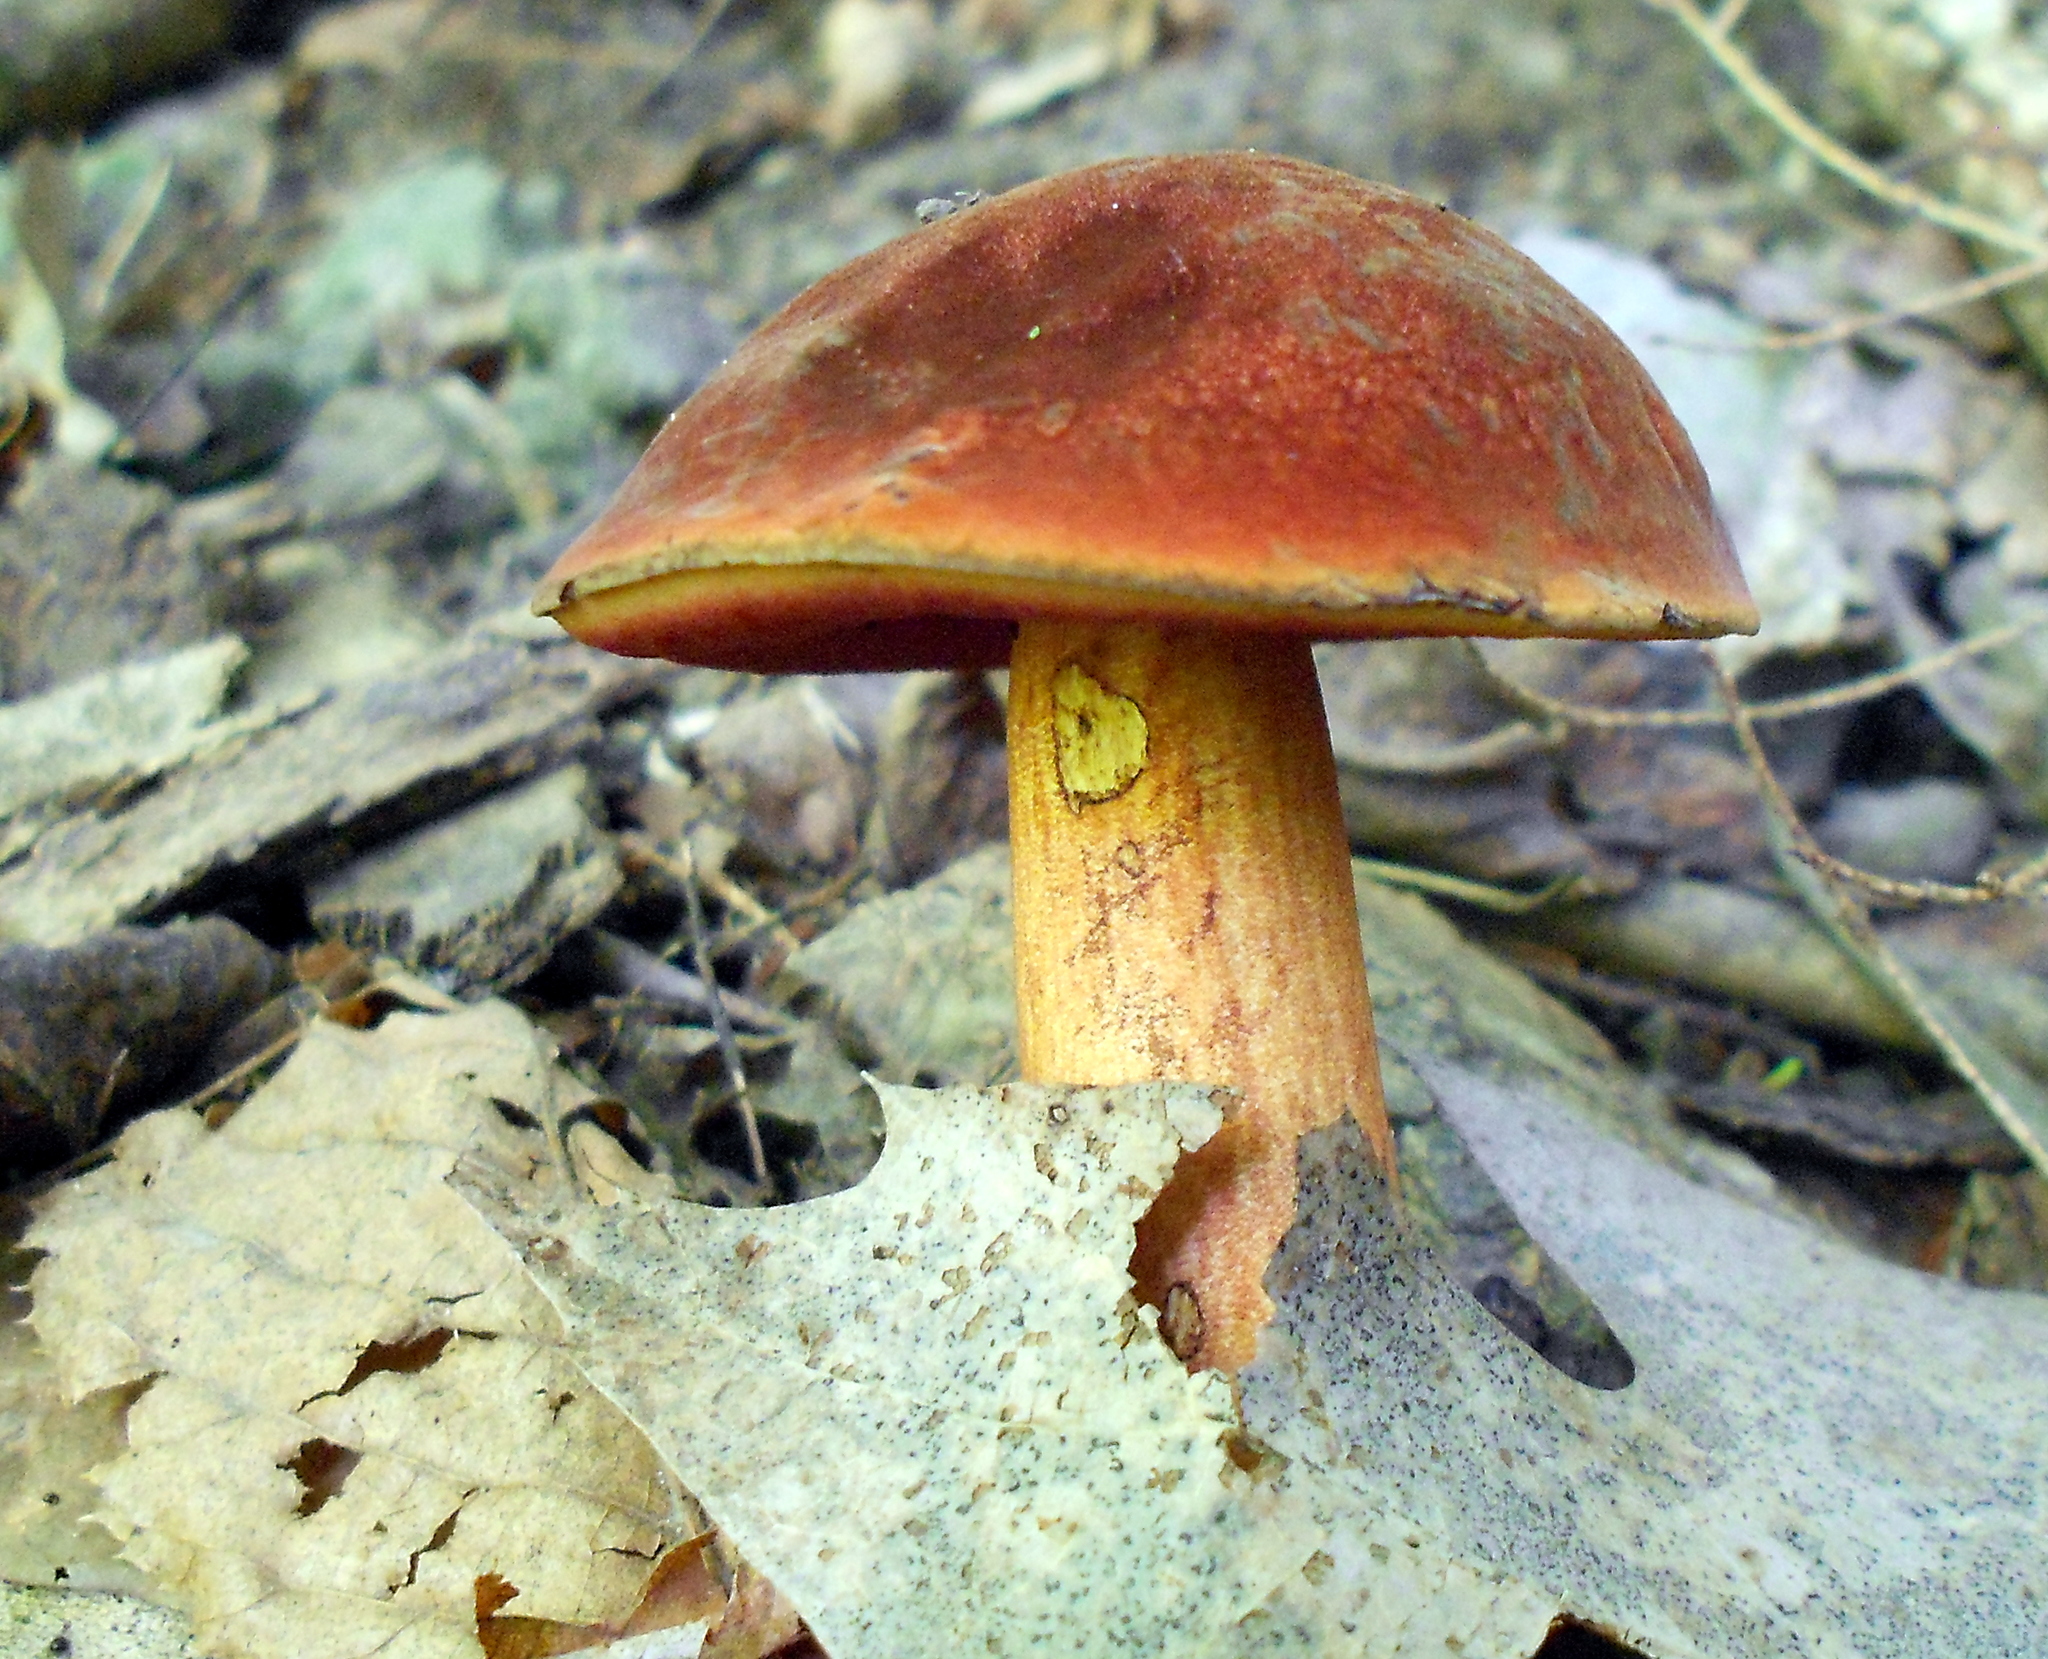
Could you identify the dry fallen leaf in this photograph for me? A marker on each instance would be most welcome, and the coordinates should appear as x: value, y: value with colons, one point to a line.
x: 922, y: 1408
x: 351, y: 1404
x: 928, y: 1406
x: 928, y: 1412
x: 929, y: 1409
x: 1821, y: 1454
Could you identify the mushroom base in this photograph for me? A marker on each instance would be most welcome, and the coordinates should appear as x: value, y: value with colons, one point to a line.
x: 1184, y: 911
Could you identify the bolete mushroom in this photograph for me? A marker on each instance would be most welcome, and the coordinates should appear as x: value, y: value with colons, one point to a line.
x: 1144, y: 431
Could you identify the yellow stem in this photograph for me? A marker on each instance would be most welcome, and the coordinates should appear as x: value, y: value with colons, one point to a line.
x: 1184, y: 910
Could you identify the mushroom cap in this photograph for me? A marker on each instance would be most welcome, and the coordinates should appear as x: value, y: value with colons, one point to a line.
x: 1214, y: 390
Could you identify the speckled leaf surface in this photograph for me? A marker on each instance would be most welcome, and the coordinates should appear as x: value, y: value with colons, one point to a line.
x: 927, y: 1409
x: 927, y: 1406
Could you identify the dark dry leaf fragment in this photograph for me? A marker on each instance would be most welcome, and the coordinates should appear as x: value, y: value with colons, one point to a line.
x: 88, y: 1030
x: 702, y: 1580
x: 942, y: 778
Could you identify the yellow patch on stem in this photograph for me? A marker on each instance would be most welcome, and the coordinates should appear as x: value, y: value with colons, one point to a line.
x: 1100, y: 740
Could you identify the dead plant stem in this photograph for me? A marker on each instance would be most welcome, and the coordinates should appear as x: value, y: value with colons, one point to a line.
x: 1994, y: 1079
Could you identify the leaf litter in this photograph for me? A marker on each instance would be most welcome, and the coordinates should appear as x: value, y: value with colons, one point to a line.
x: 1876, y: 472
x: 927, y: 1410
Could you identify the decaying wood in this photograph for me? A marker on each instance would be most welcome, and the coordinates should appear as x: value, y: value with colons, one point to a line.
x: 363, y: 762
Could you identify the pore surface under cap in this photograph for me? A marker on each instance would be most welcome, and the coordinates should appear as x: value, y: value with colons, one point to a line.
x: 1226, y: 388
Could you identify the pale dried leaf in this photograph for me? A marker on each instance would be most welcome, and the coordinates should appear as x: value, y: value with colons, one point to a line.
x: 47, y: 1451
x: 243, y: 1279
x: 95, y: 733
x: 33, y: 1621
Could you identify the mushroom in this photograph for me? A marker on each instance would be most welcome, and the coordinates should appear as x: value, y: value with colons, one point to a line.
x: 1144, y: 431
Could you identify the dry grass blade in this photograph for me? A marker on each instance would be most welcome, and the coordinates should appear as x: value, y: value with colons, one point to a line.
x: 1501, y: 901
x: 2008, y: 1094
x: 96, y: 286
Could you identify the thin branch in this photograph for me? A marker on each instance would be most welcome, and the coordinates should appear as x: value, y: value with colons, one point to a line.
x: 1859, y: 690
x: 1726, y: 16
x: 759, y: 919
x: 1808, y: 851
x: 1704, y: 1016
x: 1838, y: 158
x: 2022, y: 883
x: 728, y: 1047
x: 1473, y: 754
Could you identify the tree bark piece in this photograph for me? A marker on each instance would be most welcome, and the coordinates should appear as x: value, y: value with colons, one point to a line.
x: 367, y: 761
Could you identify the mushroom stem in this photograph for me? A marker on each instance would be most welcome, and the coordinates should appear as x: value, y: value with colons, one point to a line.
x: 1184, y: 910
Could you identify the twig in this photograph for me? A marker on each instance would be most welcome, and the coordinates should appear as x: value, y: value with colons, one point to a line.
x: 1726, y: 16
x: 243, y: 291
x: 1988, y: 888
x: 1473, y: 754
x: 2006, y: 1092
x: 1715, y: 40
x: 759, y: 918
x: 1705, y: 1016
x: 209, y: 1096
x: 1859, y: 690
x: 1945, y: 298
x: 728, y: 1048
x: 649, y: 978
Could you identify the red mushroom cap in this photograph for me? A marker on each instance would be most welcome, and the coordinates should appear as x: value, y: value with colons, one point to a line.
x: 1228, y: 389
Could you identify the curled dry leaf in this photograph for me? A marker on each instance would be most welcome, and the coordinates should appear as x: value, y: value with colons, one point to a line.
x: 349, y: 1400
